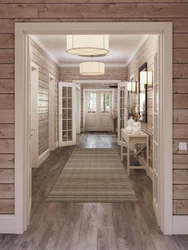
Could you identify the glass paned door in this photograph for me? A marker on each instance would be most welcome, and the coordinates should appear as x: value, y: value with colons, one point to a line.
x: 67, y: 126
x: 122, y: 110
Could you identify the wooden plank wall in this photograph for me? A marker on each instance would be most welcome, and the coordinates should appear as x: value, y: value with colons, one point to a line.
x: 145, y: 54
x: 70, y: 74
x: 174, y: 11
x: 46, y: 66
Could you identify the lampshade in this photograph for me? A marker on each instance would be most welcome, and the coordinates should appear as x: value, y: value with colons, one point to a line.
x: 129, y: 86
x: 150, y: 78
x: 88, y: 45
x: 133, y: 87
x: 143, y: 77
x: 92, y: 68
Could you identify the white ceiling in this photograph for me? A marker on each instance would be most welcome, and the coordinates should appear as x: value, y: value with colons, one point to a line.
x: 122, y: 49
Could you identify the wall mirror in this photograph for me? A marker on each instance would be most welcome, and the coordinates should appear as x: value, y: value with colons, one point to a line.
x: 142, y: 91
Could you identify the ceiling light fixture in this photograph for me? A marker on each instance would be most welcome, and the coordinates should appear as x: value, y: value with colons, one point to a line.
x: 88, y: 45
x: 92, y: 68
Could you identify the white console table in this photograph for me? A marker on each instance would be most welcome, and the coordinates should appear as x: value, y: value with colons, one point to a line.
x: 130, y: 140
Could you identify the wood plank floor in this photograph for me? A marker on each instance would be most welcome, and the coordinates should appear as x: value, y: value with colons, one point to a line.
x: 90, y: 226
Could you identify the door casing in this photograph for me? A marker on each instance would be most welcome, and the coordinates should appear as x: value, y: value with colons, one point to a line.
x: 22, y: 30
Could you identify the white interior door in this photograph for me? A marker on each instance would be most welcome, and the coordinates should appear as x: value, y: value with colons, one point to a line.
x: 67, y: 114
x: 34, y: 115
x: 156, y: 79
x: 52, y: 119
x: 122, y: 110
x: 98, y: 106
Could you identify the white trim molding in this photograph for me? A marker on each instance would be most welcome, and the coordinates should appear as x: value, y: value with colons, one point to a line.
x: 7, y: 224
x: 44, y: 156
x: 180, y: 224
x: 22, y: 31
x: 56, y: 144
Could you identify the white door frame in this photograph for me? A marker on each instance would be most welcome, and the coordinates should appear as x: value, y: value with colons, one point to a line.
x: 84, y: 102
x: 22, y: 30
x: 35, y: 67
x: 52, y: 142
x: 78, y: 109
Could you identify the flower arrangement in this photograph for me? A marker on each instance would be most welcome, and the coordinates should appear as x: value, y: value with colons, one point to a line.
x: 134, y: 111
x: 114, y: 115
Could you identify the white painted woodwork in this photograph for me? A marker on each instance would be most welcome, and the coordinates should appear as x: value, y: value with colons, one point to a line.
x: 52, y: 118
x: 22, y: 29
x: 67, y: 114
x: 98, y: 119
x: 121, y: 108
x: 156, y: 127
x: 34, y: 115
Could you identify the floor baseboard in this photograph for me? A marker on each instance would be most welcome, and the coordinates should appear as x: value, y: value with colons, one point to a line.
x: 180, y: 224
x: 43, y: 156
x: 7, y: 224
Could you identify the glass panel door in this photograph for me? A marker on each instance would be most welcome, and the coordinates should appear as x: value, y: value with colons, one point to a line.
x: 67, y: 126
x: 122, y: 110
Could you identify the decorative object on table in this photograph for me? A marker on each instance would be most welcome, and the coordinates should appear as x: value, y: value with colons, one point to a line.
x: 114, y: 115
x: 133, y: 124
x: 136, y: 129
x: 143, y: 92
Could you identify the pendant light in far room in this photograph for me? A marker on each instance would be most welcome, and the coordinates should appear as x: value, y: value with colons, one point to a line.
x: 92, y: 68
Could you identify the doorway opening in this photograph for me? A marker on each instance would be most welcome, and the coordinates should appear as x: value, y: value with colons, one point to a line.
x: 164, y: 29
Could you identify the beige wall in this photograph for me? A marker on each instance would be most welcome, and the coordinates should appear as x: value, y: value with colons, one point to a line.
x: 46, y: 66
x: 145, y: 54
x: 125, y: 10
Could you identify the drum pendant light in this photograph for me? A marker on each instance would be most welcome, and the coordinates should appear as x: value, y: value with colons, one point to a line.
x: 88, y: 45
x: 92, y: 68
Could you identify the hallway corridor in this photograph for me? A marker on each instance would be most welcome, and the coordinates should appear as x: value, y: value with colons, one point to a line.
x: 90, y: 226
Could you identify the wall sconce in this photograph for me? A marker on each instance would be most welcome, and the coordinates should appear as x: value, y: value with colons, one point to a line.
x: 146, y: 77
x: 129, y: 86
x: 132, y: 87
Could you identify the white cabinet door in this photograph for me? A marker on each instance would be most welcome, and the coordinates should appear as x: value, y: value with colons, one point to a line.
x: 67, y: 114
x: 98, y: 107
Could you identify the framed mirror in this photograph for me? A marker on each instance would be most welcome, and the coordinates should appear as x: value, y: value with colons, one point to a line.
x: 142, y: 91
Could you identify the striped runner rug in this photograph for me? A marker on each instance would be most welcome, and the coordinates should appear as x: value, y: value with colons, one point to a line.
x: 93, y: 175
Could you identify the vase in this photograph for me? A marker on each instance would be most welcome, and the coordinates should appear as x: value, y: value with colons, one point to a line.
x: 136, y: 128
x: 130, y: 122
x: 129, y: 129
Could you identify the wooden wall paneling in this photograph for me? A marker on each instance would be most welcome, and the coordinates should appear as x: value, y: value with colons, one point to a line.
x: 180, y: 101
x: 6, y: 131
x: 6, y: 191
x: 46, y: 66
x: 180, y: 192
x: 6, y: 206
x: 180, y: 86
x: 6, y: 55
x: 6, y: 116
x: 6, y: 70
x: 6, y: 160
x: 6, y: 175
x: 176, y: 147
x: 6, y: 146
x: 180, y: 131
x: 6, y: 86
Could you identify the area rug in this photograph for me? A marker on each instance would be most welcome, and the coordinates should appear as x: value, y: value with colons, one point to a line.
x: 93, y: 175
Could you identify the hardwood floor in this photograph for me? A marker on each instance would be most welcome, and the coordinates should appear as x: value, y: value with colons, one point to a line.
x: 90, y: 226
